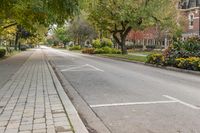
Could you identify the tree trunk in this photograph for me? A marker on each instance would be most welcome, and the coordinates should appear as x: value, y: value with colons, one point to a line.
x: 120, y: 38
x: 123, y: 44
x: 16, y: 40
x: 124, y: 48
x: 19, y: 46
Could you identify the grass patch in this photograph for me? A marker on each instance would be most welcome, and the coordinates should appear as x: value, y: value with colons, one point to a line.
x: 143, y: 52
x: 126, y: 57
x: 77, y: 51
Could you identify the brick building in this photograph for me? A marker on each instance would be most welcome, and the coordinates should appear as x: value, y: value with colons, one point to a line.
x: 190, y: 9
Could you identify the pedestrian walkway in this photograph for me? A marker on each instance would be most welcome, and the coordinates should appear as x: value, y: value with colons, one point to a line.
x: 29, y: 101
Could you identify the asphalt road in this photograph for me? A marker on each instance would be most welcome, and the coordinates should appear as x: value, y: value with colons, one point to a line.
x: 133, y: 98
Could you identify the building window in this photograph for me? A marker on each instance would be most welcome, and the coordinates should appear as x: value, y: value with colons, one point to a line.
x: 191, y: 21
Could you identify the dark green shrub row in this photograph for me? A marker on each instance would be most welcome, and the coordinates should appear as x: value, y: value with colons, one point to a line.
x: 190, y: 45
x: 105, y: 42
x: 107, y: 50
x: 2, y: 53
x: 77, y: 47
x: 104, y: 50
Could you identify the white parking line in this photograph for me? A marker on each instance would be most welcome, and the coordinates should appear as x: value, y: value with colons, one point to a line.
x: 95, y: 68
x: 172, y: 100
x: 133, y: 103
x: 76, y: 68
x: 181, y: 102
x: 72, y: 68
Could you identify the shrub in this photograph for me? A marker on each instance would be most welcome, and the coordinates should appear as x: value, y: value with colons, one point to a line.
x: 107, y: 50
x: 96, y: 43
x: 99, y: 51
x: 77, y: 47
x: 157, y: 59
x: 88, y: 51
x: 105, y: 42
x: 2, y: 53
x: 174, y: 52
x: 116, y: 51
x: 191, y: 63
x: 190, y: 45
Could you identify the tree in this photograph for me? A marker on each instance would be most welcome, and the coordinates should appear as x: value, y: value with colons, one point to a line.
x: 80, y: 30
x: 25, y: 14
x: 119, y: 17
x: 62, y: 34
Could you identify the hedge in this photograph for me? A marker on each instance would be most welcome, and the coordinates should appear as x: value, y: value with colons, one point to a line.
x: 2, y: 53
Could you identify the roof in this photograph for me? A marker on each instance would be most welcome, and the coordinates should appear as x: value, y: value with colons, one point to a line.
x: 186, y: 4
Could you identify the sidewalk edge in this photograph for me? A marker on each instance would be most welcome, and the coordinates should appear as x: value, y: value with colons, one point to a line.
x: 75, y: 119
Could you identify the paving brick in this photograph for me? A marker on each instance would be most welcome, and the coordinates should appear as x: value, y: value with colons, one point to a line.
x: 39, y: 126
x: 29, y: 101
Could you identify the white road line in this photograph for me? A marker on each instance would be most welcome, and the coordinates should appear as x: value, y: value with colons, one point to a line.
x: 72, y: 68
x: 134, y: 103
x: 67, y: 66
x: 95, y: 68
x: 181, y: 102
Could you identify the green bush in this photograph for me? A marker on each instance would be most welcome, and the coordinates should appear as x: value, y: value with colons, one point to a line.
x: 77, y: 47
x: 2, y: 53
x: 107, y: 50
x: 99, y: 51
x: 191, y: 63
x: 88, y: 51
x: 96, y: 43
x: 157, y: 59
x: 105, y: 42
x: 190, y: 45
x: 116, y: 51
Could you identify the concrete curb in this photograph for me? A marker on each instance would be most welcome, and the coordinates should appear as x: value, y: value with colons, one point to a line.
x: 155, y: 66
x: 93, y: 123
x: 120, y: 59
x: 75, y: 120
x: 174, y: 69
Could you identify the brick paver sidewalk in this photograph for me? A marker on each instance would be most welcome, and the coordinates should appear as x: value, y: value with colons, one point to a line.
x: 29, y: 101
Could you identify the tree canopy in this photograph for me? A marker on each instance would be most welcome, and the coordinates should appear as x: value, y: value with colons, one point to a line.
x: 119, y: 17
x: 27, y: 15
x: 30, y: 12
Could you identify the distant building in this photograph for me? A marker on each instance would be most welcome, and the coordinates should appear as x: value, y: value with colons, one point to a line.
x: 150, y: 38
x: 191, y: 10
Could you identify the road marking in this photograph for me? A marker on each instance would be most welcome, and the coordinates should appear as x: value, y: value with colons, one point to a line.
x: 133, y: 103
x: 66, y: 65
x: 181, y: 102
x: 95, y: 68
x: 72, y: 68
x: 75, y: 68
